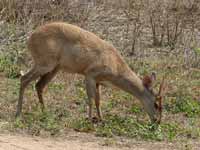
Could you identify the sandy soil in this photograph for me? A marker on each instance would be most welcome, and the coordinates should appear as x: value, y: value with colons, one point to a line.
x: 24, y: 142
x: 82, y: 141
x: 8, y: 142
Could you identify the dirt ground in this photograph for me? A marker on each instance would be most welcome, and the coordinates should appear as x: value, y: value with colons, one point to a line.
x: 82, y: 141
x: 16, y: 142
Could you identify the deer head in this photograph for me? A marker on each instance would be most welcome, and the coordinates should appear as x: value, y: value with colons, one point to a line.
x: 148, y: 81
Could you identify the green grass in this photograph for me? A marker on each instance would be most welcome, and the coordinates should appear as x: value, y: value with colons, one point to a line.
x: 129, y: 127
x: 36, y: 121
x: 187, y: 105
x: 123, y: 114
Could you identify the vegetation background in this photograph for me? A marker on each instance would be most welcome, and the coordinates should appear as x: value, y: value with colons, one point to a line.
x: 152, y: 35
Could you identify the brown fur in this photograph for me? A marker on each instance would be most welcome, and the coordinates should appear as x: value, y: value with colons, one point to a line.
x: 62, y: 46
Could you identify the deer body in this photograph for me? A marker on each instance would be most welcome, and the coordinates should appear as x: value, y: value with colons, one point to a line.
x: 61, y: 46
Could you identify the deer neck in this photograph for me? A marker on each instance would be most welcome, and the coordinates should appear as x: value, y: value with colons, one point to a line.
x: 128, y: 81
x: 131, y: 83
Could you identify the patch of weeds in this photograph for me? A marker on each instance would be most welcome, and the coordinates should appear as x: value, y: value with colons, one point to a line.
x: 81, y: 97
x: 82, y: 125
x: 36, y: 121
x: 56, y: 86
x: 111, y: 104
x: 197, y: 51
x: 188, y: 105
x: 123, y: 95
x: 81, y: 92
x: 192, y: 129
x: 118, y: 98
x: 195, y: 75
x: 61, y: 113
x: 192, y: 133
x: 11, y: 56
x: 135, y: 109
x: 19, y: 123
x: 126, y: 126
x: 8, y: 66
x: 10, y: 92
x: 171, y: 131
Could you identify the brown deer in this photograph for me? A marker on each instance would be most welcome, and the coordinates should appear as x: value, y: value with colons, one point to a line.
x: 61, y: 46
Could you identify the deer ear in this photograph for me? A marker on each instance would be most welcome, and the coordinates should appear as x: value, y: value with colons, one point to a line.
x: 148, y: 80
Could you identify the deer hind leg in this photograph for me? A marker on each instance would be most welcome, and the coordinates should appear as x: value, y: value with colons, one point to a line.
x: 33, y: 74
x: 97, y: 101
x: 43, y: 81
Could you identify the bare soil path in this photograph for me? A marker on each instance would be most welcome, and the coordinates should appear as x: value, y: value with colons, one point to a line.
x: 82, y: 141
